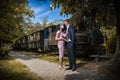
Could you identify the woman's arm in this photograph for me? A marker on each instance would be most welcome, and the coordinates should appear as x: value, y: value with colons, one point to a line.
x: 57, y: 37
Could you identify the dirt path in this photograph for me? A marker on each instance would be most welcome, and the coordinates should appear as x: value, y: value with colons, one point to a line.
x: 50, y: 71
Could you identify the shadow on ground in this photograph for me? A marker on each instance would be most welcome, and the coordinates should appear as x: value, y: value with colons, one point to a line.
x: 20, y: 56
x: 90, y: 74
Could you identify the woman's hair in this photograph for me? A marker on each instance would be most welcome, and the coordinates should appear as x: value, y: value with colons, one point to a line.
x: 58, y: 27
x: 64, y: 29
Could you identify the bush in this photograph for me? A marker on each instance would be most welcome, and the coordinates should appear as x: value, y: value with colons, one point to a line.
x: 111, y: 41
x: 111, y: 46
x: 4, y: 52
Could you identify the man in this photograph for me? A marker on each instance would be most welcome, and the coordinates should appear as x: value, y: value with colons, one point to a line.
x: 70, y: 45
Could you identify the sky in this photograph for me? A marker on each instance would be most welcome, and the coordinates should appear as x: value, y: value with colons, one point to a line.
x: 42, y: 9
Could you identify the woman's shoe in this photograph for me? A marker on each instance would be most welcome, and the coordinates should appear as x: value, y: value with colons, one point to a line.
x: 61, y: 67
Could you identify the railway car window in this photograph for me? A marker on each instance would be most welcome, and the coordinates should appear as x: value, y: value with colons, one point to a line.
x: 37, y: 36
x: 34, y: 37
x: 19, y: 41
x: 24, y: 39
x: 54, y: 29
x: 81, y: 29
x: 46, y: 33
x: 28, y: 38
x: 31, y: 37
x: 97, y: 37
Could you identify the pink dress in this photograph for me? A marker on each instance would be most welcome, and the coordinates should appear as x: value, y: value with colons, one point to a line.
x: 60, y: 45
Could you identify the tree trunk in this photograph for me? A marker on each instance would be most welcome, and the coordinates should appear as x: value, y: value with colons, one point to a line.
x: 116, y: 57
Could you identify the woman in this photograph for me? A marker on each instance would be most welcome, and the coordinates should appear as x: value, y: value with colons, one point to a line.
x: 61, y: 42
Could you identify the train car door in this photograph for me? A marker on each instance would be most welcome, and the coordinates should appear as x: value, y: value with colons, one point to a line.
x: 42, y: 40
x: 46, y: 35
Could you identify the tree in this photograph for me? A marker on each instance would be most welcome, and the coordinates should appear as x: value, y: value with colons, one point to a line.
x: 56, y: 22
x: 116, y: 58
x: 13, y: 14
x: 38, y: 26
x: 44, y: 22
x: 100, y: 9
x: 29, y: 28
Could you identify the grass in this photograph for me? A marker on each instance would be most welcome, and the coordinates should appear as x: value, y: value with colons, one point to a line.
x: 10, y: 69
x: 55, y: 59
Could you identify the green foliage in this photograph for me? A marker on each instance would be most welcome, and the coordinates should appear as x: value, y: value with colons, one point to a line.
x: 111, y: 40
x: 71, y: 7
x: 14, y: 13
x: 31, y: 27
x: 81, y: 10
x: 112, y: 45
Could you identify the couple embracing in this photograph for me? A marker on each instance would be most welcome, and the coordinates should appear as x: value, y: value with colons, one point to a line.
x: 66, y: 39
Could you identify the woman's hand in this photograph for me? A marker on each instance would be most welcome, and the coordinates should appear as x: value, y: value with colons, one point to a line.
x: 57, y: 38
x: 62, y: 39
x: 64, y: 35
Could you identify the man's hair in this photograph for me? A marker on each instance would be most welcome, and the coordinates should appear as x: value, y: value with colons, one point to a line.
x: 67, y: 20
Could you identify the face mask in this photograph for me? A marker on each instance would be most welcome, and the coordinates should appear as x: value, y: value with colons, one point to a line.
x: 61, y: 26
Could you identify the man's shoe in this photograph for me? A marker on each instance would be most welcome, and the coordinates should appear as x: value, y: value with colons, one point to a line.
x: 73, y: 69
x: 68, y: 68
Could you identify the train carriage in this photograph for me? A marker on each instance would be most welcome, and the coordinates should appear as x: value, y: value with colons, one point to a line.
x: 21, y: 43
x: 49, y: 37
x: 36, y: 40
x: 44, y: 40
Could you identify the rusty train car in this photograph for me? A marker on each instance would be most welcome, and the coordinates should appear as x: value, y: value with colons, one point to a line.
x: 44, y: 40
x: 37, y: 40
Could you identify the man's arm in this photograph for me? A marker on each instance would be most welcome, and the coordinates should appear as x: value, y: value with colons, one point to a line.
x: 72, y: 33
